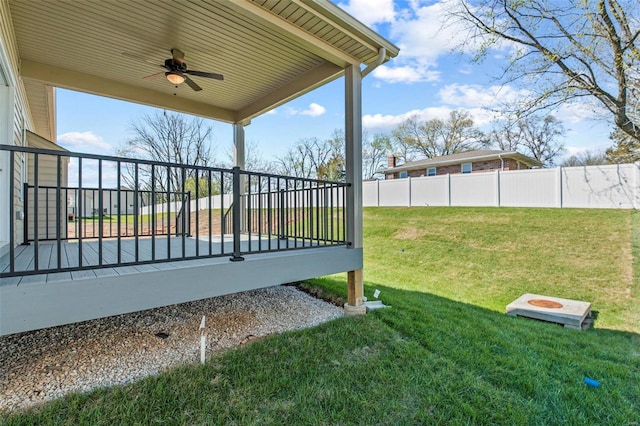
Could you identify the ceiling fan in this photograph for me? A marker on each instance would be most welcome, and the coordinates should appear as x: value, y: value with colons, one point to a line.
x: 176, y: 70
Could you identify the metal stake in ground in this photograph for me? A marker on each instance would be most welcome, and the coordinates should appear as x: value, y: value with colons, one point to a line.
x: 203, y: 340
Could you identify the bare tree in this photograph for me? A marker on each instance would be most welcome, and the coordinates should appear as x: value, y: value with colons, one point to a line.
x: 315, y: 158
x: 586, y: 158
x: 539, y: 138
x: 438, y: 137
x: 535, y: 136
x: 167, y: 137
x: 374, y: 154
x: 564, y: 51
x: 254, y: 159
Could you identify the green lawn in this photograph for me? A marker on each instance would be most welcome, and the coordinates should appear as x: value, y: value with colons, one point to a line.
x: 444, y: 353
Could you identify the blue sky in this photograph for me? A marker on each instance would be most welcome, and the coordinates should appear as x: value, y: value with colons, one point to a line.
x: 425, y: 79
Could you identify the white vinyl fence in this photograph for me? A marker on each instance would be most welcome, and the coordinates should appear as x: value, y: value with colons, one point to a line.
x: 332, y: 197
x: 609, y: 187
x: 213, y: 202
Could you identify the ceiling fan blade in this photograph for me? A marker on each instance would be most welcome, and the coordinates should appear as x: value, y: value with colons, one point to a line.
x: 205, y: 74
x: 141, y: 58
x: 177, y: 54
x: 192, y: 83
x: 154, y: 76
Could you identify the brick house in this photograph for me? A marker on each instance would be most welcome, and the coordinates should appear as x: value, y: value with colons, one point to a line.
x: 465, y: 162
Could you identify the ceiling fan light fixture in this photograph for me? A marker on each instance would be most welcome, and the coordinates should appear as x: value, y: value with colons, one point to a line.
x: 175, y: 78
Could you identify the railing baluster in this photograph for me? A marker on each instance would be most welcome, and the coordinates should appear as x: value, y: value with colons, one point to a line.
x: 25, y: 208
x: 222, y: 224
x: 184, y: 213
x: 93, y: 220
x: 236, y: 215
x: 58, y: 184
x: 12, y: 212
x: 259, y: 213
x: 168, y: 212
x: 209, y: 199
x: 152, y: 210
x: 248, y: 211
x: 46, y: 214
x: 101, y: 216
x: 136, y: 231
x: 197, y: 215
x: 269, y: 217
x: 36, y: 211
x: 119, y: 254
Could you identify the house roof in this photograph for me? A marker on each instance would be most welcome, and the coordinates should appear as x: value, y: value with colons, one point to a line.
x: 463, y: 157
x: 268, y: 51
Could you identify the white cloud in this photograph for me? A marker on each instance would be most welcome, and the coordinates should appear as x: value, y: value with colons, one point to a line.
x: 370, y: 12
x: 271, y: 112
x: 314, y: 110
x: 576, y: 112
x: 85, y: 142
x: 423, y: 35
x: 476, y: 96
x: 380, y: 122
x: 405, y: 74
x: 90, y: 173
x: 423, y: 32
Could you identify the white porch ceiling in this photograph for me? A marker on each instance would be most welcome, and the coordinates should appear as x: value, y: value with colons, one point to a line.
x: 269, y: 51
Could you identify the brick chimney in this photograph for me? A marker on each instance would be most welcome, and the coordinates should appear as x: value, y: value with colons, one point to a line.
x: 391, y: 161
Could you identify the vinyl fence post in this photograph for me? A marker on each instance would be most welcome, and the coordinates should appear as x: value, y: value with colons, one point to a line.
x: 498, y: 197
x: 636, y: 182
x: 559, y: 201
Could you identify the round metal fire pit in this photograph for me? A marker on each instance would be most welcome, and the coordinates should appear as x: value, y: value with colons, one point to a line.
x: 544, y: 303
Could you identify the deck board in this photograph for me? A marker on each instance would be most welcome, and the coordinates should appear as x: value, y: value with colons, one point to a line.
x: 70, y: 255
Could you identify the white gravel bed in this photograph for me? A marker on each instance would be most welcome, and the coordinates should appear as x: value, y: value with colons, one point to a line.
x: 42, y: 365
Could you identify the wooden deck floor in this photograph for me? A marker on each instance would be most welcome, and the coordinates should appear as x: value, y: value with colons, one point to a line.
x: 169, y: 252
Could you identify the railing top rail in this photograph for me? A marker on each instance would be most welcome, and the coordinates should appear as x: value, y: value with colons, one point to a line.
x: 271, y: 175
x: 158, y: 163
x: 107, y: 158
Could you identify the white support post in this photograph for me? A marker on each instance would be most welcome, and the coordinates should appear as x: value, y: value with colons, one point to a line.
x: 353, y: 163
x: 239, y: 161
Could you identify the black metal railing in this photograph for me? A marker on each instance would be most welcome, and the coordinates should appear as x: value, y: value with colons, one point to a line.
x: 73, y: 212
x: 90, y: 210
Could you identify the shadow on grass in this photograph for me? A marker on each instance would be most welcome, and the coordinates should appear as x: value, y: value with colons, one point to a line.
x: 426, y: 360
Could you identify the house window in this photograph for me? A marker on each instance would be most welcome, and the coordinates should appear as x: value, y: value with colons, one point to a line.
x: 466, y: 168
x: 431, y: 171
x: 403, y: 175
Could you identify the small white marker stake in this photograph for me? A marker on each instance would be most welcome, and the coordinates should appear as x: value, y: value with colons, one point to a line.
x: 203, y: 340
x: 376, y: 293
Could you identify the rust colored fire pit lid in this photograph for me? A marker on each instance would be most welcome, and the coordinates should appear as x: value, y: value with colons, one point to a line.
x: 545, y: 303
x: 570, y: 313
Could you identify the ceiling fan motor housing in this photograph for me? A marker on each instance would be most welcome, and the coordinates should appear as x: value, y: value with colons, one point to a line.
x: 174, y: 65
